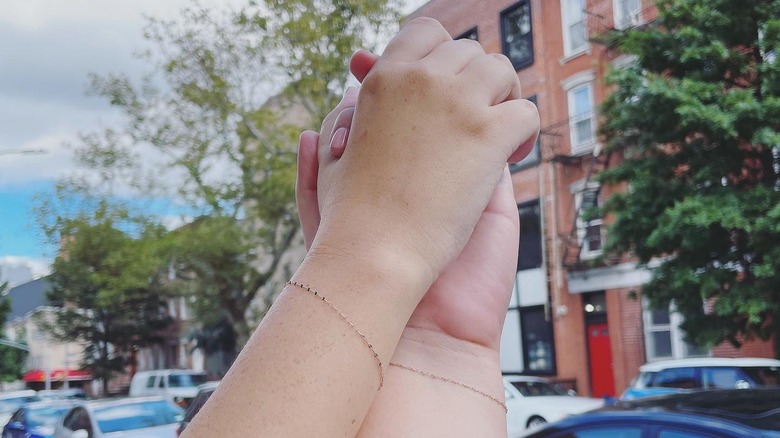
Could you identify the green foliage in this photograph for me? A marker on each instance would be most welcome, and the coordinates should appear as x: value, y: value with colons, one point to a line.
x: 697, y: 122
x: 201, y: 130
x: 109, y: 284
x: 12, y: 359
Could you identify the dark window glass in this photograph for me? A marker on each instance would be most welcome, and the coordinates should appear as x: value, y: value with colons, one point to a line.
x: 763, y: 376
x: 470, y: 34
x: 538, y: 389
x: 530, y: 252
x: 608, y: 432
x: 682, y: 434
x: 684, y: 378
x: 538, y: 345
x: 516, y: 35
x: 534, y: 156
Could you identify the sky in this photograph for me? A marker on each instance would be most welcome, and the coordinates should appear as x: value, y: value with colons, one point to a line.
x: 47, y: 50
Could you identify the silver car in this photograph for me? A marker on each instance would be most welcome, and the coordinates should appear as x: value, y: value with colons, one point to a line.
x: 147, y: 417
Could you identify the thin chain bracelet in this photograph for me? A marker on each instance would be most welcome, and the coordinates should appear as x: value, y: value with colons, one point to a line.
x: 448, y: 380
x: 344, y: 317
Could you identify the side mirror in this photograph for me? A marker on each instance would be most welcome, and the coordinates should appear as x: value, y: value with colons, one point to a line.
x: 81, y: 433
x: 16, y: 425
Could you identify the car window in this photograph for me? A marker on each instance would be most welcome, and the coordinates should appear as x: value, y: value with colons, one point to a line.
x: 723, y: 378
x: 12, y: 404
x: 198, y: 403
x: 643, y: 380
x: 150, y: 382
x: 17, y: 416
x: 605, y: 432
x: 537, y: 389
x: 684, y: 378
x: 45, y: 416
x: 78, y: 419
x: 683, y: 434
x: 186, y: 380
x: 139, y: 415
x: 763, y: 376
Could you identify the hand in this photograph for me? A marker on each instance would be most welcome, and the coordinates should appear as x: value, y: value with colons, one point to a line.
x: 469, y: 299
x: 464, y: 102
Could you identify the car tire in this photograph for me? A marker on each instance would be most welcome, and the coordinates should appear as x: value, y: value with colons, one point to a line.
x: 535, y: 422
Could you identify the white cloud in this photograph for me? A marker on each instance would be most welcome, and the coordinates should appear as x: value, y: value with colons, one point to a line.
x: 19, y: 270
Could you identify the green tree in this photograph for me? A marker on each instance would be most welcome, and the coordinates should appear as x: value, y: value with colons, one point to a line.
x: 109, y: 285
x: 12, y: 359
x: 210, y: 139
x: 697, y: 123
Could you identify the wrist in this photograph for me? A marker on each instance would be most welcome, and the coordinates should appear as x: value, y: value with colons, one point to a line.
x: 456, y: 359
x: 401, y: 273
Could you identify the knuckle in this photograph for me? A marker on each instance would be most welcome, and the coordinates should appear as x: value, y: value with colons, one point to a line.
x: 502, y: 59
x: 471, y: 44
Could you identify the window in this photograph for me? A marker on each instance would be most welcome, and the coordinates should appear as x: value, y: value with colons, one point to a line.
x: 581, y: 120
x: 538, y: 345
x: 516, y: 36
x: 684, y: 378
x: 589, y: 230
x: 470, y: 34
x: 151, y: 381
x: 606, y: 432
x: 574, y: 26
x: 530, y: 252
x: 627, y: 13
x: 663, y: 337
x: 534, y: 156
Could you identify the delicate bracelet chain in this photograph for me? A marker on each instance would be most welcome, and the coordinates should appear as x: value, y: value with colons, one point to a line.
x: 447, y: 379
x: 344, y: 317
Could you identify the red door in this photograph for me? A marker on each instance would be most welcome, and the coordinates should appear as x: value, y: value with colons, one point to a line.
x: 602, y: 379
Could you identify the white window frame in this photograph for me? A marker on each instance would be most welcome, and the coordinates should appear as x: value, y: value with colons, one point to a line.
x: 577, y: 147
x: 679, y: 346
x: 568, y: 50
x: 582, y: 226
x: 624, y: 19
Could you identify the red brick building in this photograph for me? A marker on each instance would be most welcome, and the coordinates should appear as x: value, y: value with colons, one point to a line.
x: 570, y: 318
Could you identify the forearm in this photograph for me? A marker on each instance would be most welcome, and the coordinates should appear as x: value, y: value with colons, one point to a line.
x: 416, y: 405
x: 306, y: 371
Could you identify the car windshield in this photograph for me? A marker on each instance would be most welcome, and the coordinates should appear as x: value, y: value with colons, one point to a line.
x: 642, y: 380
x: 47, y: 416
x: 186, y: 380
x: 139, y: 415
x: 537, y: 389
x: 12, y: 404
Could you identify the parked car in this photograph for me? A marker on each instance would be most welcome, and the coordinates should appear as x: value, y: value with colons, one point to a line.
x: 145, y: 417
x: 62, y: 394
x: 731, y: 413
x: 671, y: 376
x: 36, y: 419
x: 532, y: 402
x: 204, y: 392
x: 178, y: 386
x: 11, y: 401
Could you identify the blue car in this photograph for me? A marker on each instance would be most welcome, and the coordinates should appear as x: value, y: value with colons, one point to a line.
x: 732, y: 413
x: 36, y: 419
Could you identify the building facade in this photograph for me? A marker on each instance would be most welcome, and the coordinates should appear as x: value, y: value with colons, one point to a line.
x: 574, y: 315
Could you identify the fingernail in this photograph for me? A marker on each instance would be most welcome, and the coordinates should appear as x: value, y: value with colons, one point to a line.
x: 338, y: 142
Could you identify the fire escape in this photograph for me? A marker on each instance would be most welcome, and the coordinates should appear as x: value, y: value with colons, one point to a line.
x: 600, y: 17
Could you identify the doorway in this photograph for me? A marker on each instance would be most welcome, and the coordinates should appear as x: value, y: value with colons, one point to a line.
x: 602, y: 376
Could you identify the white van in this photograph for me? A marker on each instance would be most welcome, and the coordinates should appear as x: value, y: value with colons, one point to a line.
x: 178, y: 386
